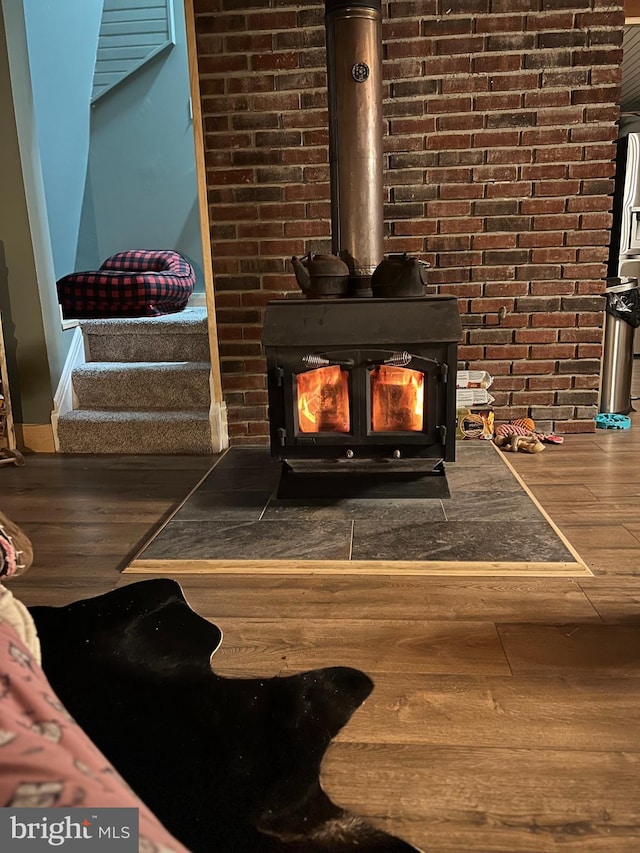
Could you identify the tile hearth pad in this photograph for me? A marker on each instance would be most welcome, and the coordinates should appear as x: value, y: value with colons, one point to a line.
x: 233, y: 522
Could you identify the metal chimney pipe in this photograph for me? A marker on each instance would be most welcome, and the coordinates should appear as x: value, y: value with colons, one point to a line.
x: 354, y: 74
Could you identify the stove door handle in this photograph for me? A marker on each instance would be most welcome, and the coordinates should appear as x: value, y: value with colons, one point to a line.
x: 396, y: 359
x: 313, y: 360
x: 404, y: 359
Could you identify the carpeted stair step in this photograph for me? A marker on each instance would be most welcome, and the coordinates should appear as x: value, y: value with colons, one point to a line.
x: 142, y: 385
x: 90, y: 431
x: 170, y: 337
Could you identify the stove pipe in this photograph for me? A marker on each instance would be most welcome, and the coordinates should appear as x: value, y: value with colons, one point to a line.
x: 354, y: 74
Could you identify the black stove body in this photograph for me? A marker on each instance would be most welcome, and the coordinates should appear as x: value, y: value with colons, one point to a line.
x: 361, y: 386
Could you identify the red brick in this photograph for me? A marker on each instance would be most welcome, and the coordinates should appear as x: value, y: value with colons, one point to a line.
x: 452, y: 85
x: 587, y: 335
x: 422, y: 227
x: 508, y: 413
x: 591, y: 318
x: 468, y: 121
x: 237, y: 248
x: 552, y: 288
x: 512, y: 189
x: 461, y: 191
x: 507, y: 351
x: 465, y: 225
x: 271, y: 21
x: 481, y: 306
x: 494, y: 368
x: 549, y: 383
x: 496, y: 273
x: 554, y: 320
x: 448, y: 141
x: 494, y: 101
x: 553, y: 255
x: 540, y: 239
x: 494, y: 241
x: 553, y: 351
x: 546, y: 98
x: 439, y: 66
x: 544, y: 136
x: 595, y: 220
x: 595, y: 271
x: 245, y: 382
x: 492, y: 63
x: 308, y: 228
x: 533, y: 398
x: 469, y: 290
x: 261, y: 229
x: 589, y: 350
x: 574, y: 427
x: 403, y: 29
x: 499, y: 23
x: 506, y: 289
x: 567, y: 222
x: 533, y: 367
x: 542, y: 205
x: 414, y: 47
x: 536, y: 336
x: 470, y: 353
x: 508, y: 383
x: 563, y: 117
x: 585, y: 381
x: 236, y: 429
x: 585, y: 237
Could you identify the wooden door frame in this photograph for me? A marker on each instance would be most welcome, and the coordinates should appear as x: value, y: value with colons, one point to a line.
x: 203, y: 204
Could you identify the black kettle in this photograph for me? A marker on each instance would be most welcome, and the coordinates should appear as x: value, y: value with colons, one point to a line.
x: 399, y: 275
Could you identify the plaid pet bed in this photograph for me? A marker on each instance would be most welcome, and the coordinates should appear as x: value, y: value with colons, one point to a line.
x: 140, y: 283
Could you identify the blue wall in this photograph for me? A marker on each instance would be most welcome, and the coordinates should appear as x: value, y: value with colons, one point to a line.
x: 141, y: 189
x: 36, y: 345
x: 62, y: 40
x: 120, y: 174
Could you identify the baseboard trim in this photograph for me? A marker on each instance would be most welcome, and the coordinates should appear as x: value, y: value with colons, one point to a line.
x: 219, y: 426
x: 64, y: 400
x: 35, y: 438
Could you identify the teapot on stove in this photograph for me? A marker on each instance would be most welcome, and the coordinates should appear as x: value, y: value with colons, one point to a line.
x: 399, y: 275
x: 321, y: 276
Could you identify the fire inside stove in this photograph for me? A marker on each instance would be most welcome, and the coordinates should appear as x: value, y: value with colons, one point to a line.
x: 323, y: 400
x: 396, y: 393
x: 397, y: 399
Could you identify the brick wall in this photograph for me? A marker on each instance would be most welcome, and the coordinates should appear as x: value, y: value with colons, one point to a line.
x: 500, y: 121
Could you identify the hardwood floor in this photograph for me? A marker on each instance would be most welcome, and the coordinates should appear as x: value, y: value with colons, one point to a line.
x: 506, y: 713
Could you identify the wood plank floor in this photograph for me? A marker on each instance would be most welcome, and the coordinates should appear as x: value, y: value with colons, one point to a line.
x: 506, y: 713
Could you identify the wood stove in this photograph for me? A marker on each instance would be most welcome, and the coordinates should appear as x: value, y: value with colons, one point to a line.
x: 361, y: 387
x: 362, y: 397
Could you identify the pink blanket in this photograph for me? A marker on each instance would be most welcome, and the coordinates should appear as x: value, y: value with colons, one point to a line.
x: 46, y: 759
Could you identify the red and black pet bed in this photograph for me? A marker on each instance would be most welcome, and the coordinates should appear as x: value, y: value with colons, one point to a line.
x: 140, y: 283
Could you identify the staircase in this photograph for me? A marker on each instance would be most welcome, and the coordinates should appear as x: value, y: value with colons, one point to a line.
x: 143, y: 389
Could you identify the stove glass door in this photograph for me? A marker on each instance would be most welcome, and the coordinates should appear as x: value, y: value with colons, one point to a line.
x: 323, y: 400
x: 397, y: 397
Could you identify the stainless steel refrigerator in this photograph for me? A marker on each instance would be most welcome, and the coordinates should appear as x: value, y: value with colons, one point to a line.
x: 624, y: 248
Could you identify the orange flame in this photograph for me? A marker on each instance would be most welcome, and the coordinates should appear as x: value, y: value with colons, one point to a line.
x: 397, y: 399
x: 323, y: 400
